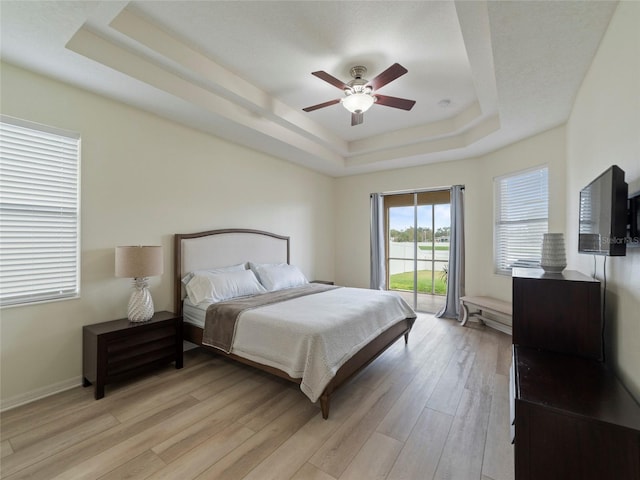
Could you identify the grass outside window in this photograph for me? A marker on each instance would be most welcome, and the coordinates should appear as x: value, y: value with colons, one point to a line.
x: 404, y: 281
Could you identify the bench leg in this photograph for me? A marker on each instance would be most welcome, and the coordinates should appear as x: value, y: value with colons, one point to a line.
x: 464, y: 311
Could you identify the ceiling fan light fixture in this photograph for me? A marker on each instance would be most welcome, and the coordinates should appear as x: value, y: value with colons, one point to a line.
x: 358, y: 102
x: 361, y: 94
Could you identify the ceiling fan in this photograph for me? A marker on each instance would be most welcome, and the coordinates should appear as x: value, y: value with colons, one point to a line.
x: 360, y: 93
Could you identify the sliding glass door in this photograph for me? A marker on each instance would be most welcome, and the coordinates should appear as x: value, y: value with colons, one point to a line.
x: 417, y: 240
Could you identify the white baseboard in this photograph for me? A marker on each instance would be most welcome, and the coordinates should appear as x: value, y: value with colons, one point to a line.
x: 24, y: 398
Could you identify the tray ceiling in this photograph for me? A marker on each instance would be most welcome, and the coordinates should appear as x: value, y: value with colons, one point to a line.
x: 483, y: 74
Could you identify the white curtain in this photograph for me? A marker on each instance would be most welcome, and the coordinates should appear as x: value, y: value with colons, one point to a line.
x: 455, y: 276
x: 378, y: 274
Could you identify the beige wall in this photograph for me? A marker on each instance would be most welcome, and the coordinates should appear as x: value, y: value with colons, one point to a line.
x: 143, y: 179
x: 604, y: 129
x: 352, y: 207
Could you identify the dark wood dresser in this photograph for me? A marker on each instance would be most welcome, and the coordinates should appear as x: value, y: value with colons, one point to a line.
x: 571, y: 418
x: 558, y: 312
x: 119, y: 349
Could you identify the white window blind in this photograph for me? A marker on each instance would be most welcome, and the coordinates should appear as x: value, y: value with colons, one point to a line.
x: 39, y: 213
x: 521, y: 218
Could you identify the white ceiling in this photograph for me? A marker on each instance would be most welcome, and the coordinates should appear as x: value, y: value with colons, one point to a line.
x: 242, y: 70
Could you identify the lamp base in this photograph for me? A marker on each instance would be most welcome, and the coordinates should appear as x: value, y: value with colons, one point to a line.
x: 140, y: 303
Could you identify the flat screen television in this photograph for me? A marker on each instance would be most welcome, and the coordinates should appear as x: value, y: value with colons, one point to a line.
x: 603, y: 215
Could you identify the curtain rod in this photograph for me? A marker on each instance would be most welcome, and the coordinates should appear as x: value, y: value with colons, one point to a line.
x: 422, y: 190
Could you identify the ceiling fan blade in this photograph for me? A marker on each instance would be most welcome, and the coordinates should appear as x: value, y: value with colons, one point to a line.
x: 321, y: 105
x: 330, y: 79
x: 389, y: 75
x: 357, y: 118
x: 395, y: 102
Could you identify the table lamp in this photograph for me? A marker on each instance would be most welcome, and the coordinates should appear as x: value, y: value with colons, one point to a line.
x: 139, y: 263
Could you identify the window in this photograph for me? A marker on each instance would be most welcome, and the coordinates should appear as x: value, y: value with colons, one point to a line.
x: 521, y: 218
x: 39, y: 212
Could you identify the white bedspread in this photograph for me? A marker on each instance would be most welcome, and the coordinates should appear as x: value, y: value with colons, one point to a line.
x: 311, y: 337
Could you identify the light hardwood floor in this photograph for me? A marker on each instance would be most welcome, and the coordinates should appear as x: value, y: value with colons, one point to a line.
x: 426, y: 302
x: 437, y: 408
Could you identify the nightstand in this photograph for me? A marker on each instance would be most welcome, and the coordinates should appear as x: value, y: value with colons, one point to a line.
x: 119, y: 349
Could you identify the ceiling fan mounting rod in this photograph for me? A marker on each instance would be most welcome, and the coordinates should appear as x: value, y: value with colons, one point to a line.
x: 358, y: 84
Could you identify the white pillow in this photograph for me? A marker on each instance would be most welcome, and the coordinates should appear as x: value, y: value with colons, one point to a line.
x: 277, y: 276
x: 231, y: 268
x: 216, y: 287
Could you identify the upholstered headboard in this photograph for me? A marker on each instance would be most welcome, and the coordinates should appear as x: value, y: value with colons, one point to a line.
x: 221, y: 248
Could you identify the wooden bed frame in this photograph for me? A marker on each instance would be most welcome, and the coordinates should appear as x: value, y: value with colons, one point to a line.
x: 216, y: 248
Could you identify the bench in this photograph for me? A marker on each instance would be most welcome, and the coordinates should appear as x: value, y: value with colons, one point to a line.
x: 500, y: 310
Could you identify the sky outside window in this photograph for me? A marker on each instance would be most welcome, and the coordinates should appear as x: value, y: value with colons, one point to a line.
x: 402, y: 217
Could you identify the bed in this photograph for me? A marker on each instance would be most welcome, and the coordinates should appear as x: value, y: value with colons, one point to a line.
x: 371, y: 320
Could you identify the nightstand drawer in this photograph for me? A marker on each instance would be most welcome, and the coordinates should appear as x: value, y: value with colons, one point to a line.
x: 135, y: 341
x: 144, y: 349
x: 135, y: 362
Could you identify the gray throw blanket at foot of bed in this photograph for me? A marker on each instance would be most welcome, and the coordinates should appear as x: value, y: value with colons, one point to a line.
x: 221, y: 318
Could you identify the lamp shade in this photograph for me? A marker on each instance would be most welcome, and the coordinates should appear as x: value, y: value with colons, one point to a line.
x: 358, y: 102
x: 138, y: 261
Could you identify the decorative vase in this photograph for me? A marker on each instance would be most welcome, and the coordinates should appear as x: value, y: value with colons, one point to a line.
x: 553, y: 255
